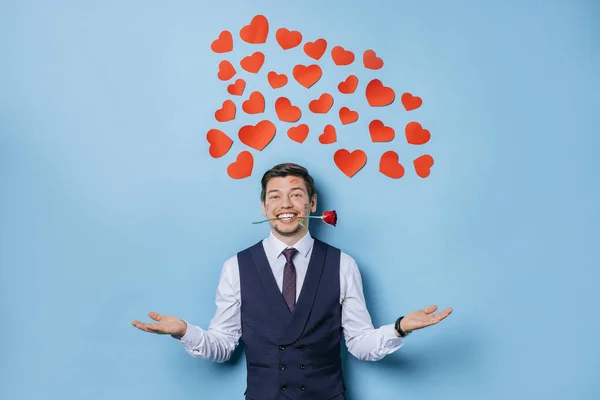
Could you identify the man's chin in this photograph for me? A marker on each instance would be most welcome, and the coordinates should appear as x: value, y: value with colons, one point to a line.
x: 288, y: 232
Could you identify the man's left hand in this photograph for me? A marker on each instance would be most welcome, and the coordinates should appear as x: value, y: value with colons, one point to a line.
x: 422, y: 318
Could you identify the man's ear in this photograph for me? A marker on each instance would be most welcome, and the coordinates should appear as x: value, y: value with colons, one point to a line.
x: 313, y: 203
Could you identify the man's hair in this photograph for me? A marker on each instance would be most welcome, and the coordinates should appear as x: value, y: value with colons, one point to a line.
x: 288, y: 169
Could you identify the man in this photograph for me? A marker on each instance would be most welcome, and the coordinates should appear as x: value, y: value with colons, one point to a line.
x: 290, y: 297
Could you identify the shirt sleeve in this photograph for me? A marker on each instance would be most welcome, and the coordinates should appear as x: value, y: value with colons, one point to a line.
x: 218, y: 342
x: 363, y: 340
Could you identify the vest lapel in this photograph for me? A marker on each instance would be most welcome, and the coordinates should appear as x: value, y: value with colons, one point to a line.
x: 269, y: 283
x: 307, y: 295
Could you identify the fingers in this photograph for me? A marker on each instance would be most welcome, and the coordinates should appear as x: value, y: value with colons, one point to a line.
x: 154, y: 315
x: 151, y: 328
x: 441, y: 315
x: 430, y: 309
x: 140, y: 325
x: 430, y: 318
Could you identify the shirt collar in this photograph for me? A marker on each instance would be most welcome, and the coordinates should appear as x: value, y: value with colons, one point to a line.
x: 274, y: 246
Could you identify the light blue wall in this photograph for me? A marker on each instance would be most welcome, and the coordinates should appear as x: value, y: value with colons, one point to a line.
x: 110, y: 206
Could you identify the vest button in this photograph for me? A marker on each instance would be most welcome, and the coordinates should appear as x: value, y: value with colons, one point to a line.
x: 303, y: 387
x: 282, y: 367
x: 282, y: 348
x: 302, y: 348
x: 283, y: 388
x: 302, y: 366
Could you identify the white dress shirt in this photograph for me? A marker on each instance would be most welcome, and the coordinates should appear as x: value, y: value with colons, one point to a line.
x: 225, y: 329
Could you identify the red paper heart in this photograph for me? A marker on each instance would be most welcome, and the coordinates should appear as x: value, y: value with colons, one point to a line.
x: 381, y: 133
x: 288, y: 39
x: 389, y: 165
x: 237, y: 88
x: 341, y: 56
x: 298, y: 133
x: 307, y: 75
x: 253, y: 63
x: 277, y: 80
x: 226, y: 112
x: 242, y: 167
x: 226, y: 70
x: 371, y: 61
x: 415, y: 134
x: 257, y: 136
x: 423, y: 165
x: 321, y: 105
x: 329, y: 135
x: 286, y: 111
x: 257, y: 31
x: 410, y: 102
x: 223, y: 44
x: 219, y: 142
x: 379, y: 95
x: 315, y: 49
x: 349, y: 85
x: 350, y: 162
x: 255, y: 103
x: 348, y: 116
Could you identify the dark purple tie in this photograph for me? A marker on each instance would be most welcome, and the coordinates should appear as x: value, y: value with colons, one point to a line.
x: 288, y: 289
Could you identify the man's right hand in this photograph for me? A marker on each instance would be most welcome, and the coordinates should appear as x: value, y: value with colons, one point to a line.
x: 165, y: 325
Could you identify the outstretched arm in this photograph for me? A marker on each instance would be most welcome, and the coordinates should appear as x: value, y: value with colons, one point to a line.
x: 218, y: 342
x: 363, y: 340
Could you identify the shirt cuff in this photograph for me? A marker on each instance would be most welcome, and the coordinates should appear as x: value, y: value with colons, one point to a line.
x: 390, y: 339
x: 193, y: 336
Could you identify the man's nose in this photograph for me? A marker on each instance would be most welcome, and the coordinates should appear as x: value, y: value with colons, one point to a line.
x: 286, y: 202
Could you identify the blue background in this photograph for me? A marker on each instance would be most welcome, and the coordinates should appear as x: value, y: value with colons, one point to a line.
x: 111, y: 207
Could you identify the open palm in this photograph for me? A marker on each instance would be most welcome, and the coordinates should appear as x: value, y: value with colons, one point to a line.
x: 164, y: 325
x: 423, y: 318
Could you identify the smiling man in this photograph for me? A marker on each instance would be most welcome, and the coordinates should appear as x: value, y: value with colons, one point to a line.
x: 291, y: 298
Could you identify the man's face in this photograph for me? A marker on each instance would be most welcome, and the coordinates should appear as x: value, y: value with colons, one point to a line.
x: 285, y: 199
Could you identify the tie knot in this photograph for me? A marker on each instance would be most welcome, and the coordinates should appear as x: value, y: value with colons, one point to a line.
x: 289, y: 253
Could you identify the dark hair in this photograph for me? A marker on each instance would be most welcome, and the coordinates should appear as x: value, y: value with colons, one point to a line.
x: 288, y: 169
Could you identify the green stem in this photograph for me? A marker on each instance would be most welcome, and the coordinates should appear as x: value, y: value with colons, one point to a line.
x: 305, y: 216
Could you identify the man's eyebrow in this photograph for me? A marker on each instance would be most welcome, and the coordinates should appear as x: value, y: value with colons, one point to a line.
x: 291, y: 189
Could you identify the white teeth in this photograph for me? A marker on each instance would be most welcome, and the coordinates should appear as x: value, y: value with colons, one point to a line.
x: 286, y: 216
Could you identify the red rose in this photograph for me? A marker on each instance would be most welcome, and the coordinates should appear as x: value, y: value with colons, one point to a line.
x: 329, y: 217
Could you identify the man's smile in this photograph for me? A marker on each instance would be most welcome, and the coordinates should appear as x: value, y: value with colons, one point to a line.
x: 287, y: 216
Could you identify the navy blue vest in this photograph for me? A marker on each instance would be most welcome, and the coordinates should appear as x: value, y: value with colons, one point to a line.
x: 292, y: 356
